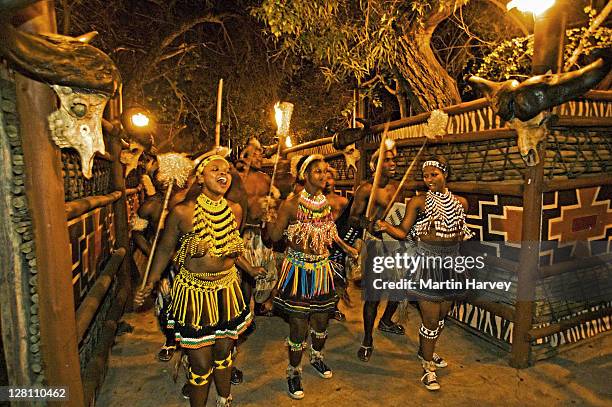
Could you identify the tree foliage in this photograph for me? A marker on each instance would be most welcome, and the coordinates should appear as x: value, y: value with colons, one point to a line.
x: 172, y: 54
x: 362, y: 40
x: 511, y: 59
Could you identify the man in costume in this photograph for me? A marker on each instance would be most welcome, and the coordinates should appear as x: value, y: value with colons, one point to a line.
x: 340, y: 210
x: 306, y: 296
x: 257, y: 186
x: 383, y: 195
x: 144, y: 227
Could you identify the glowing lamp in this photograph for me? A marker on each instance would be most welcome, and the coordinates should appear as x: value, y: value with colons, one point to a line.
x: 140, y: 120
x: 531, y: 6
x: 288, y: 142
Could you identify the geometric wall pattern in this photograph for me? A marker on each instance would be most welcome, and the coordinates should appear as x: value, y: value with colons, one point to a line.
x: 92, y: 236
x: 576, y: 223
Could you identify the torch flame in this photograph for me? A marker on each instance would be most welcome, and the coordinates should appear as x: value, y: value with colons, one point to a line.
x: 282, y: 114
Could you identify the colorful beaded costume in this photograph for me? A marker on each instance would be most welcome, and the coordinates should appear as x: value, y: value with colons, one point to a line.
x: 207, y: 306
x: 306, y: 283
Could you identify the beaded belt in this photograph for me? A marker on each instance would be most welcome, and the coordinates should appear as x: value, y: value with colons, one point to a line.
x: 307, y: 257
x: 195, y: 280
x: 437, y: 250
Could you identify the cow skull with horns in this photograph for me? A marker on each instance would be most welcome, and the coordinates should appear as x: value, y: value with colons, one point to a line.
x: 524, y: 106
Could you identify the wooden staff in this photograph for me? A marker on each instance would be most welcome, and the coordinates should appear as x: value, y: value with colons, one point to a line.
x: 378, y: 174
x: 278, y: 153
x: 218, y: 123
x: 160, y: 224
x: 403, y: 181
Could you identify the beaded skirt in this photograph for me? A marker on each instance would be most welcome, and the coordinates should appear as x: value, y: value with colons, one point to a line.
x: 305, y: 286
x: 203, y: 311
x: 436, y: 279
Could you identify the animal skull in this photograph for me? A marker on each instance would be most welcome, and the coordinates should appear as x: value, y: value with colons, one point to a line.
x: 527, y: 101
x: 130, y: 156
x: 351, y: 156
x: 530, y: 133
x: 78, y: 123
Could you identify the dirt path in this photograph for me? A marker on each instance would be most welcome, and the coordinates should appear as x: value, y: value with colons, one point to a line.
x: 478, y: 373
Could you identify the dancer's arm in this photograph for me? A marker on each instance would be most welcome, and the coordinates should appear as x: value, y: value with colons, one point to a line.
x: 400, y: 232
x: 350, y: 250
x: 166, y: 245
x: 274, y: 230
x: 358, y: 209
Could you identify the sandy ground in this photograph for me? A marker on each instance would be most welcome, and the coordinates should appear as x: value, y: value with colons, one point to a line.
x: 478, y: 373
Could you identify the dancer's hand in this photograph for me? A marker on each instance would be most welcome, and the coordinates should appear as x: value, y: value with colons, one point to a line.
x: 258, y: 272
x: 353, y: 253
x: 380, y: 226
x: 142, y: 294
x: 164, y: 287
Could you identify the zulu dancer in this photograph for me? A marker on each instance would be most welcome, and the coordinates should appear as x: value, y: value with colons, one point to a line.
x: 306, y: 297
x: 384, y: 193
x: 144, y: 226
x: 436, y: 221
x: 257, y: 186
x: 340, y: 210
x: 207, y: 310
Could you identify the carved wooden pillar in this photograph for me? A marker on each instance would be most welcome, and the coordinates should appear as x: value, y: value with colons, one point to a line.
x: 549, y: 34
x: 45, y: 195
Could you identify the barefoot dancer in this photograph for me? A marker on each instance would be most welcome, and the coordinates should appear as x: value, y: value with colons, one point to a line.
x: 385, y: 192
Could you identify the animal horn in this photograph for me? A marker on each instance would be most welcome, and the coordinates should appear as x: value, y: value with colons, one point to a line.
x: 545, y: 91
x: 486, y: 87
x: 87, y: 37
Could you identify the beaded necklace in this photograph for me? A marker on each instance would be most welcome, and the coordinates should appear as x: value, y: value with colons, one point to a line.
x: 315, y: 225
x: 445, y: 213
x: 215, y: 225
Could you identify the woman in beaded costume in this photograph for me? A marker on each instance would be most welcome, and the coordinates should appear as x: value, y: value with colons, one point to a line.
x: 436, y: 221
x: 306, y: 297
x: 207, y: 309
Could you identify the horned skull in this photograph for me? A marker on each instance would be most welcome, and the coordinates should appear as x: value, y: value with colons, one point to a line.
x: 130, y: 156
x: 526, y: 101
x: 77, y: 123
x: 530, y: 133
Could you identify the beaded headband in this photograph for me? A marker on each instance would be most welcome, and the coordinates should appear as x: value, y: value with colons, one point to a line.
x: 207, y: 161
x: 434, y: 163
x: 306, y: 163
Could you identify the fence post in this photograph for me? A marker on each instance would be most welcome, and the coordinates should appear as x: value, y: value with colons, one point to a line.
x: 45, y: 194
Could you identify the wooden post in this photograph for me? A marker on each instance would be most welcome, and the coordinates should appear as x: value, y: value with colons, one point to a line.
x: 549, y: 32
x: 122, y: 236
x: 358, y: 111
x: 218, y: 121
x: 528, y: 262
x: 45, y: 194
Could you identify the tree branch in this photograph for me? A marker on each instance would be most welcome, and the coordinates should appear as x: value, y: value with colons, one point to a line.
x: 511, y: 16
x: 183, y: 48
x: 596, y: 23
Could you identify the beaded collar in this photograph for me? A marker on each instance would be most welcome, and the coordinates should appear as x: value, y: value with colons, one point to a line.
x: 445, y: 213
x: 315, y: 226
x: 213, y: 223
